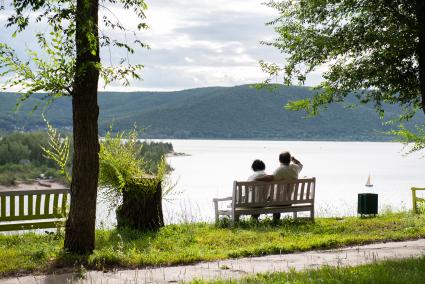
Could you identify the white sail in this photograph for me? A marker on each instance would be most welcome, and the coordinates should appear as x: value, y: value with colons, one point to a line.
x: 368, y: 183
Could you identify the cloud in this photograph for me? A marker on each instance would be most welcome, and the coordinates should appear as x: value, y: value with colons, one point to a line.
x: 193, y: 43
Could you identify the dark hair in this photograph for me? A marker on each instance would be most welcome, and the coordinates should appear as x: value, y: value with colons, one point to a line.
x: 285, y: 158
x: 258, y: 165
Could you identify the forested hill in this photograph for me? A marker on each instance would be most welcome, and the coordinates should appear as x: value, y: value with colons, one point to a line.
x: 239, y: 112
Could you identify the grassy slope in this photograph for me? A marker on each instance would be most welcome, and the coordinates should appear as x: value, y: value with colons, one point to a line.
x: 386, y: 272
x: 189, y: 243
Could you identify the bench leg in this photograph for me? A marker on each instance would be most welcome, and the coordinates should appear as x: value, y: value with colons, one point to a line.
x: 216, y: 210
x: 235, y: 219
x: 415, y: 209
x: 312, y: 214
x: 295, y: 215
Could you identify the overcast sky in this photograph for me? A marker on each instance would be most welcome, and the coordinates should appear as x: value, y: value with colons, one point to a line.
x: 194, y: 44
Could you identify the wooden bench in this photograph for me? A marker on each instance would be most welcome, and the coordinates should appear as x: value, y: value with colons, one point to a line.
x: 415, y: 199
x: 33, y: 209
x: 256, y: 197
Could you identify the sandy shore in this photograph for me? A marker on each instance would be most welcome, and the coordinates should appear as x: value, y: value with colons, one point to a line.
x: 34, y: 185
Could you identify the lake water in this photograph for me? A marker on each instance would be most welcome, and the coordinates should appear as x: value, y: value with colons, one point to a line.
x: 341, y: 170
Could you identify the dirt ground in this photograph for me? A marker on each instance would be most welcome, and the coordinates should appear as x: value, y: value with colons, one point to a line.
x: 34, y: 185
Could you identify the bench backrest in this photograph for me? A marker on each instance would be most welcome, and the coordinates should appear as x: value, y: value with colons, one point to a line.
x: 276, y: 193
x: 18, y: 205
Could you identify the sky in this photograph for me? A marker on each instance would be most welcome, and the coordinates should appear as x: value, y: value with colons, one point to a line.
x: 193, y: 44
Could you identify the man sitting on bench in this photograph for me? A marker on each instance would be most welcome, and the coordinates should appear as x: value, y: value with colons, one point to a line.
x: 286, y: 171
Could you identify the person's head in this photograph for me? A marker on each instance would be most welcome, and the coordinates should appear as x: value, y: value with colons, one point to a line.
x: 285, y: 158
x: 258, y: 165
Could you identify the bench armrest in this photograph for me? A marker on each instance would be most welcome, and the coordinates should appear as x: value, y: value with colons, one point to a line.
x: 222, y: 199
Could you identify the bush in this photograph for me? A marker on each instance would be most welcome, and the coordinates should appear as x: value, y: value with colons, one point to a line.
x: 126, y: 184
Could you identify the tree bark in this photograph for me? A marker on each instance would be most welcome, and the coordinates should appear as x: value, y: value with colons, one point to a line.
x: 420, y: 16
x: 80, y: 226
x: 141, y: 208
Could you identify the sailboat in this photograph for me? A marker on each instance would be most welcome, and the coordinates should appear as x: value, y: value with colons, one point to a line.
x: 368, y: 183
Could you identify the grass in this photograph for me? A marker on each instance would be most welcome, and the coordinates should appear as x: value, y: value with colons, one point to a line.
x: 189, y: 243
x: 410, y: 271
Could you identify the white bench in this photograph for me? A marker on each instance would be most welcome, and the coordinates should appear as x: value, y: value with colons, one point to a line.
x: 257, y: 197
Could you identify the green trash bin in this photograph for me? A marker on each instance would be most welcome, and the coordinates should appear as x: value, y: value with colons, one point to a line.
x: 367, y: 204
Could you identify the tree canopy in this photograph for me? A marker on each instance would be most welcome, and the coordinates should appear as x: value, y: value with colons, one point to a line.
x: 71, y: 65
x: 52, y: 70
x: 373, y: 50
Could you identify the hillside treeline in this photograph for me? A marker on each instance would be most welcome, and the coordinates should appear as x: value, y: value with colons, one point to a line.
x: 239, y: 112
x: 21, y: 157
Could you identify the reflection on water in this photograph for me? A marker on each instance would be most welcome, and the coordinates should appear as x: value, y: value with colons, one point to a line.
x: 341, y: 169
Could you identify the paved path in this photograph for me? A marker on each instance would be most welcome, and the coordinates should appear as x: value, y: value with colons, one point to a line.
x: 236, y: 268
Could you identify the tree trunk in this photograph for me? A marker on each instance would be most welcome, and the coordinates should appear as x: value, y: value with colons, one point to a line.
x: 80, y: 226
x: 420, y: 16
x: 141, y: 208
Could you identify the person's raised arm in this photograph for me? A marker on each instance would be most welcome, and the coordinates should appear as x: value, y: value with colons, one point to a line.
x: 295, y: 161
x: 298, y: 163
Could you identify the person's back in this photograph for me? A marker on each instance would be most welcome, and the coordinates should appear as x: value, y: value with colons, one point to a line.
x: 287, y: 170
x: 258, y: 167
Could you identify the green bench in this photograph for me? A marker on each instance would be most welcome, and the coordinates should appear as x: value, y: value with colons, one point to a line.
x: 33, y: 209
x: 415, y: 199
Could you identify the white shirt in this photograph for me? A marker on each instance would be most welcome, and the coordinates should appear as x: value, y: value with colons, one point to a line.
x: 255, y: 175
x: 287, y: 172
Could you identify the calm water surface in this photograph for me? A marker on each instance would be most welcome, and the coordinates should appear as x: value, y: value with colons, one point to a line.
x: 341, y: 170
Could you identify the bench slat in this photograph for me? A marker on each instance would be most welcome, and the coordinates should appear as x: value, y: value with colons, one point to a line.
x: 265, y: 210
x: 21, y: 205
x: 308, y: 191
x: 272, y: 192
x: 37, y: 204
x: 239, y: 192
x: 312, y: 191
x: 64, y: 203
x: 27, y: 192
x: 56, y: 204
x: 295, y: 196
x: 273, y: 182
x: 289, y: 191
x: 275, y: 194
x: 47, y: 204
x: 275, y: 203
x: 245, y: 193
x: 3, y: 206
x: 12, y: 206
x: 280, y: 192
x: 29, y: 218
x: 29, y: 226
x: 30, y: 205
x: 302, y: 192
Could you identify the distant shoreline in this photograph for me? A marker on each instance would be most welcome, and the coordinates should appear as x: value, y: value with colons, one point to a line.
x: 176, y: 154
x: 272, y: 139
